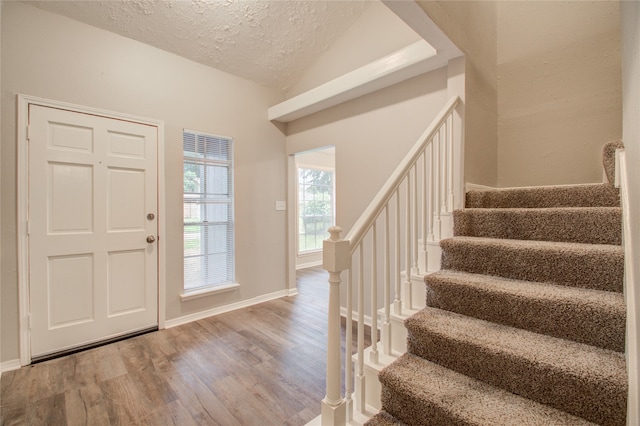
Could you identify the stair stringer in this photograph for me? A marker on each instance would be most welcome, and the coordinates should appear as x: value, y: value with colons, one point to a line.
x: 398, y: 346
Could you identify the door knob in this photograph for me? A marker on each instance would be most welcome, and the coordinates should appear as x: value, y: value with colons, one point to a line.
x: 151, y: 239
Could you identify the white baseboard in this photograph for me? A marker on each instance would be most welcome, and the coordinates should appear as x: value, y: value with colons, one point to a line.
x: 10, y: 365
x: 14, y: 364
x: 475, y: 187
x: 228, y: 308
x: 308, y: 264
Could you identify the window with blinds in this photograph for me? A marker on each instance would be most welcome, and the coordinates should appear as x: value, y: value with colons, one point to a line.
x: 208, y: 210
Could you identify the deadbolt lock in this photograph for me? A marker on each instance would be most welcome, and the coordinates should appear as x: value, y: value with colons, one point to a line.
x: 151, y: 216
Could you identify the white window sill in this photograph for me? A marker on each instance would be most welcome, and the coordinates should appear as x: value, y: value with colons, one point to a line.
x: 208, y: 291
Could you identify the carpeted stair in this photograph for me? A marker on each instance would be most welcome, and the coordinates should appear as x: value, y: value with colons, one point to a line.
x: 525, y: 323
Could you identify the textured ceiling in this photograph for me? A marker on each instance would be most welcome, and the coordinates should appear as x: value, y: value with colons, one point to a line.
x: 270, y: 42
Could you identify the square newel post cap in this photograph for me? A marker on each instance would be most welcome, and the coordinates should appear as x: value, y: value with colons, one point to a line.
x: 335, y: 252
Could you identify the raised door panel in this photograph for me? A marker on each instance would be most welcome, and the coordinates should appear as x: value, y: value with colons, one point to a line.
x: 92, y: 274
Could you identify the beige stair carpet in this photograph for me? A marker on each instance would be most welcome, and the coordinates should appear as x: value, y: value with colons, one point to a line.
x: 525, y: 324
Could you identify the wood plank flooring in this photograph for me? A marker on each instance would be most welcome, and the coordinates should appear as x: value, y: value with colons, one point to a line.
x: 262, y: 365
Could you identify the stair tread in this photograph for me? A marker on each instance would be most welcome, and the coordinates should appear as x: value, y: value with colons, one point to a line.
x: 525, y: 323
x: 576, y: 358
x: 586, y: 195
x: 453, y: 398
x: 530, y: 289
x: 539, y: 245
x: 568, y: 210
x: 597, y: 266
x: 594, y: 225
x: 538, y: 307
x: 536, y: 366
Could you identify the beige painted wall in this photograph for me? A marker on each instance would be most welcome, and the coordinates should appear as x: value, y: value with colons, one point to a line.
x: 471, y: 25
x: 559, y: 90
x: 371, y: 135
x: 378, y: 32
x: 53, y: 57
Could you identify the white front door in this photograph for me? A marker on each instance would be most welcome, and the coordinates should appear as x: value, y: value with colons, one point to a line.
x: 92, y: 225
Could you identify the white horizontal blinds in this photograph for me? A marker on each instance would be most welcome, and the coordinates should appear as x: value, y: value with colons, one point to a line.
x: 208, y: 210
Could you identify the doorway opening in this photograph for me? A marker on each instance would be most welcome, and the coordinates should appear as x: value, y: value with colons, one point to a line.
x: 312, y: 195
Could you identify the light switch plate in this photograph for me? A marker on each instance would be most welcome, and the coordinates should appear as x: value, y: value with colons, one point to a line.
x: 281, y: 205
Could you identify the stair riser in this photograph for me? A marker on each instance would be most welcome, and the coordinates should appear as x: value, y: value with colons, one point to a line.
x: 372, y: 388
x: 591, y: 226
x: 407, y: 410
x: 600, y: 401
x: 423, y: 393
x: 566, y: 319
x: 593, y: 269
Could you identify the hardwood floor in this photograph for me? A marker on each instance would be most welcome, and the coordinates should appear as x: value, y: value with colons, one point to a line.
x: 262, y: 365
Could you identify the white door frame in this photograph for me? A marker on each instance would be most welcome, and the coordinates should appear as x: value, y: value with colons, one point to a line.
x: 23, y: 208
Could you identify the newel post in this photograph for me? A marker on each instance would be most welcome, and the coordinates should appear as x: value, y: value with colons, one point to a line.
x: 335, y: 259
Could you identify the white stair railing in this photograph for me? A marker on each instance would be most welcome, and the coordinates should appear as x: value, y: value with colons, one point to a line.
x: 393, y: 233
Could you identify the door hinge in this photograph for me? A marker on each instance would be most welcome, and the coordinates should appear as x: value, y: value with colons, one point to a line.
x: 28, y: 227
x: 28, y: 132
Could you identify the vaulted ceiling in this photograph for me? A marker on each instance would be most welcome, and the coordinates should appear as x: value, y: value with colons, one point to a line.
x: 270, y: 42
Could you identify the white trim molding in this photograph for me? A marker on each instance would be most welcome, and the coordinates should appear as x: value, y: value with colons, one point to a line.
x: 23, y: 102
x: 434, y: 51
x: 631, y: 292
x: 410, y: 61
x: 13, y: 364
x: 228, y: 308
x: 475, y: 187
x: 208, y: 291
x: 308, y: 265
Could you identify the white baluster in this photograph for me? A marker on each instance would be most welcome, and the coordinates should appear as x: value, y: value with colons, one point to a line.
x: 406, y: 297
x: 348, y: 344
x: 425, y: 211
x: 335, y: 259
x: 414, y: 234
x: 449, y: 124
x: 445, y: 167
x: 397, y: 302
x: 386, y: 325
x: 360, y: 379
x: 432, y: 171
x: 459, y: 199
x: 438, y: 178
x: 374, y: 295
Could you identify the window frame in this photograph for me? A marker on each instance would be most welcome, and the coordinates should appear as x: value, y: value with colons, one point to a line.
x: 205, y: 200
x: 305, y: 166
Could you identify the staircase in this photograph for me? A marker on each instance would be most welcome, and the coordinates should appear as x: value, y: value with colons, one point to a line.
x: 525, y: 323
